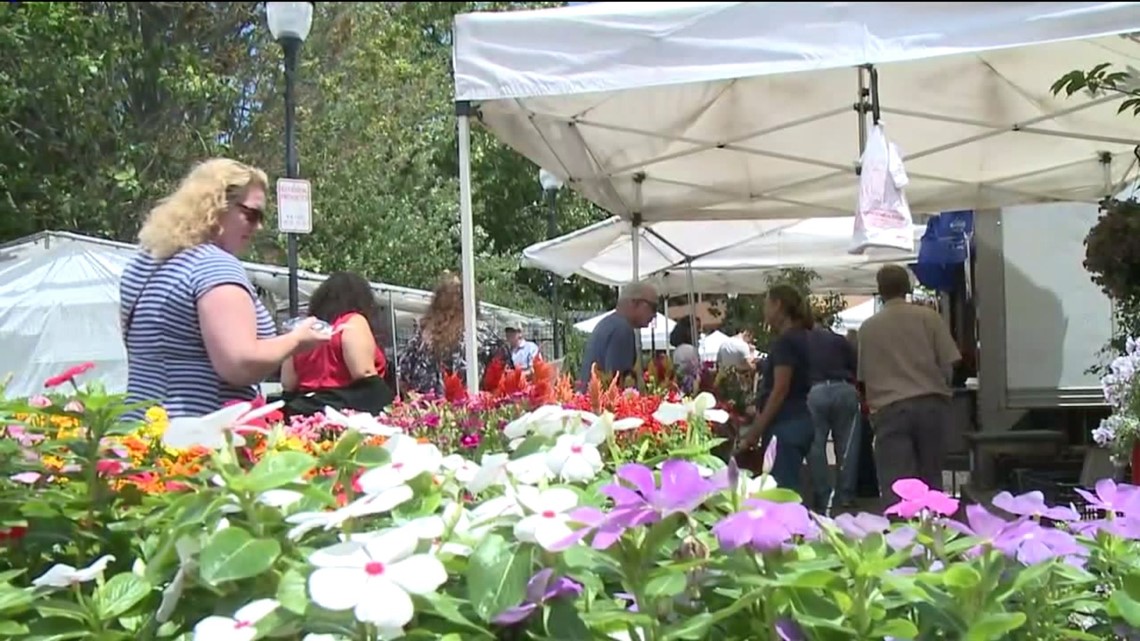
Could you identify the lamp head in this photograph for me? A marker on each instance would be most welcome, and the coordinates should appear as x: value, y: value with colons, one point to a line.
x: 289, y: 19
x: 549, y: 181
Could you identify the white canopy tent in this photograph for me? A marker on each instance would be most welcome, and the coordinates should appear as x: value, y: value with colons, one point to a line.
x: 655, y: 336
x: 853, y: 317
x: 727, y: 256
x: 58, y: 309
x: 710, y: 345
x: 739, y: 110
x: 59, y: 305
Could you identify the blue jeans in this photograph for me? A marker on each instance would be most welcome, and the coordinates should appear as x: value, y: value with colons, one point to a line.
x: 794, y: 436
x: 834, y: 407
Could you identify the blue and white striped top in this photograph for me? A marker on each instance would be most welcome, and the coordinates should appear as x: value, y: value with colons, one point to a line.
x: 166, y: 356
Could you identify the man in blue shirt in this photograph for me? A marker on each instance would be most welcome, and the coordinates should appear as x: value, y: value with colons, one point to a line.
x: 834, y: 404
x: 613, y: 343
x: 523, y: 351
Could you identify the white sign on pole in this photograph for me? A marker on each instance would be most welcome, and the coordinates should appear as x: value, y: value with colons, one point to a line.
x: 294, y: 206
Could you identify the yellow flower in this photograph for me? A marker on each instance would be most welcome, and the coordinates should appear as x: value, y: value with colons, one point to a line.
x: 157, y: 414
x: 155, y: 425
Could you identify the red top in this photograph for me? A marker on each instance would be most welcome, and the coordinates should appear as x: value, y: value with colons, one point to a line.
x: 325, y: 368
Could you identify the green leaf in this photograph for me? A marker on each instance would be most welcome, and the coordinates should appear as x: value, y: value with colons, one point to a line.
x: 233, y: 554
x: 13, y: 598
x: 63, y: 609
x: 448, y: 607
x: 531, y: 445
x: 11, y: 629
x: 563, y: 622
x: 120, y: 594
x: 961, y: 576
x: 497, y: 575
x: 667, y: 583
x: 292, y: 592
x: 372, y: 456
x: 995, y: 626
x: 1125, y: 607
x: 896, y: 628
x: 275, y: 470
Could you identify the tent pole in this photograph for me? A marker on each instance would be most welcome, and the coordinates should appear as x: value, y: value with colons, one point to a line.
x: 463, y: 113
x: 395, y: 345
x: 692, y: 305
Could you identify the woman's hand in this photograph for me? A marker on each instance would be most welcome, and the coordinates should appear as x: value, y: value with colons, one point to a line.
x: 307, y: 335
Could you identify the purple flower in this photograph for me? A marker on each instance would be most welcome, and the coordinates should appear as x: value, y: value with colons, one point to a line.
x: 432, y: 420
x: 1033, y: 504
x: 788, y: 630
x: 916, y: 497
x: 982, y: 525
x: 766, y: 525
x: 541, y: 588
x: 682, y: 490
x: 1030, y: 543
x: 861, y: 525
x: 1113, y: 498
x: 626, y: 596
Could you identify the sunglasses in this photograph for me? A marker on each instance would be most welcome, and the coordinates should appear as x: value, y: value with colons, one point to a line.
x: 252, y: 215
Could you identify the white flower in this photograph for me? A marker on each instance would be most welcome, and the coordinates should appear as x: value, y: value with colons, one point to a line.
x: 242, y: 627
x: 210, y: 430
x: 375, y: 578
x: 492, y: 472
x: 279, y: 499
x: 461, y: 468
x: 531, y: 469
x: 547, y: 523
x: 409, y: 459
x: 548, y: 420
x: 607, y: 423
x: 704, y: 405
x: 362, y: 422
x: 434, y: 528
x: 378, y: 503
x: 61, y: 575
x: 752, y: 486
x: 575, y: 457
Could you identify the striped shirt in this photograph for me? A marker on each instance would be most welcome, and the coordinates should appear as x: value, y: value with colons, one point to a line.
x: 166, y: 356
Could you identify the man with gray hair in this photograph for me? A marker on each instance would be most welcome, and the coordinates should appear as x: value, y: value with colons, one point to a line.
x: 613, y: 343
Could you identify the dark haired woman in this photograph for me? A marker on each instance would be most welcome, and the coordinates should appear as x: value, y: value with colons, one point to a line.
x: 348, y: 372
x: 686, y: 359
x: 784, y: 386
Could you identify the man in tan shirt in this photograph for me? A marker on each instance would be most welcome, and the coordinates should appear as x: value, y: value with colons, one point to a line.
x: 906, y: 357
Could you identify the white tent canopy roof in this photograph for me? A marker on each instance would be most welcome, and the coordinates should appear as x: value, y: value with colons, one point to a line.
x: 407, y: 302
x: 728, y: 256
x: 742, y: 110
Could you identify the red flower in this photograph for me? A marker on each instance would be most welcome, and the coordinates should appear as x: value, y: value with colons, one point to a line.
x: 69, y: 375
x: 110, y: 467
x: 493, y: 375
x: 12, y: 534
x: 453, y: 388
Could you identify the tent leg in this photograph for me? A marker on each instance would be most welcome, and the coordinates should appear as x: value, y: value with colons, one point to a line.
x: 467, y: 243
x: 692, y: 304
x: 395, y: 343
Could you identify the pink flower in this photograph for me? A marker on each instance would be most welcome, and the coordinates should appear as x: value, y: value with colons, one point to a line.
x: 470, y: 441
x: 73, y: 406
x: 916, y: 497
x: 29, y: 478
x: 110, y: 467
x: 40, y: 401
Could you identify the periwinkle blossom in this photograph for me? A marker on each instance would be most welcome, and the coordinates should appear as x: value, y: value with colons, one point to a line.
x: 765, y: 525
x: 982, y: 525
x: 1032, y: 504
x: 1112, y: 498
x: 788, y: 630
x: 1030, y: 543
x: 860, y: 526
x: 682, y: 489
x: 916, y: 497
x: 542, y: 588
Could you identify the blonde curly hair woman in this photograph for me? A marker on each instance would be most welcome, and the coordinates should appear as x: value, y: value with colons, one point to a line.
x: 197, y: 336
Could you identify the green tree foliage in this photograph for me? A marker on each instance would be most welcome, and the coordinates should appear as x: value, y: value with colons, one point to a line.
x: 747, y: 311
x: 106, y: 105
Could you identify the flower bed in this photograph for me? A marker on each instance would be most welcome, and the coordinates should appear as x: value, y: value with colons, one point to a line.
x: 373, y: 533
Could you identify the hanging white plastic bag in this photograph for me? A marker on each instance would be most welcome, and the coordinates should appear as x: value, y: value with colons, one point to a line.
x: 882, y: 218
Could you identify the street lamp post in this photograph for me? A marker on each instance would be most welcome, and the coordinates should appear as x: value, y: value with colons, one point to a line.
x: 550, y: 186
x: 289, y: 23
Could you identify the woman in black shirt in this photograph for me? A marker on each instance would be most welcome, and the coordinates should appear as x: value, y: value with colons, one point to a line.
x: 782, y: 399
